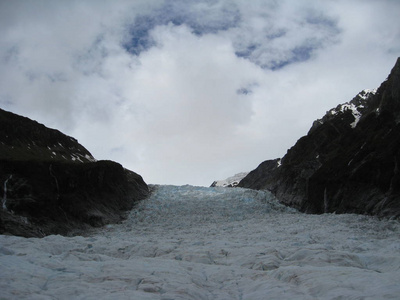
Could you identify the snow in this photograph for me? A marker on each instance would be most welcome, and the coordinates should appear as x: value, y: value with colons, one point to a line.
x: 367, y: 93
x: 78, y: 157
x: 231, y: 181
x: 356, y: 114
x: 90, y: 158
x: 279, y: 163
x: 348, y: 106
x: 75, y: 157
x: 364, y: 94
x: 210, y: 243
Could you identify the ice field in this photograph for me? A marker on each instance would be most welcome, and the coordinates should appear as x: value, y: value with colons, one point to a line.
x: 210, y: 243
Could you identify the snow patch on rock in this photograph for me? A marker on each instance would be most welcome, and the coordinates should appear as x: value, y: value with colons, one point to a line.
x: 231, y: 181
x: 352, y: 106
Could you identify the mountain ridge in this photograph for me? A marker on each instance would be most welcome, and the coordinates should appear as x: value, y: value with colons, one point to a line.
x: 348, y: 161
x: 51, y: 184
x: 24, y: 139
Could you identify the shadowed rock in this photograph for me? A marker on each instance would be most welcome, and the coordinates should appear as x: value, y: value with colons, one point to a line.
x: 50, y: 184
x: 347, y: 163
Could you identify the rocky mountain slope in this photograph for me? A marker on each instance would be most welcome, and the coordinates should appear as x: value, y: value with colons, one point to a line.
x: 49, y: 183
x: 347, y: 163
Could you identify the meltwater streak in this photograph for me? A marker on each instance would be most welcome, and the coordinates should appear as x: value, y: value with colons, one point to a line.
x: 210, y: 243
x: 4, y: 202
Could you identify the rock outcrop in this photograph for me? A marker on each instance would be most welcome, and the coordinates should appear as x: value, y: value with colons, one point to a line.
x: 50, y: 184
x: 347, y: 163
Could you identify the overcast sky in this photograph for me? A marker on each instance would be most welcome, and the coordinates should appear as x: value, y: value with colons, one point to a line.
x: 188, y: 91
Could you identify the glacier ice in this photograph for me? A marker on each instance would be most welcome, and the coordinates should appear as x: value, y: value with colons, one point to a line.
x: 209, y: 243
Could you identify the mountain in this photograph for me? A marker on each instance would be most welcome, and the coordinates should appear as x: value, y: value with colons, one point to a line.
x: 50, y: 184
x: 232, y: 181
x: 347, y: 163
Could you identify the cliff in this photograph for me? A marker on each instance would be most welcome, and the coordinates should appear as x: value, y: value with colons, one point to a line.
x: 347, y: 163
x: 50, y: 184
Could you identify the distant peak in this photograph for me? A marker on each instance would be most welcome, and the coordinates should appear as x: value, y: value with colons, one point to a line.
x: 356, y: 106
x: 364, y: 94
x: 231, y: 181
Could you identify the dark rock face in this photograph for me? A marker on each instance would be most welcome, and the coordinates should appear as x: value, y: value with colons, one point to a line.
x: 347, y: 163
x: 26, y: 140
x: 50, y: 184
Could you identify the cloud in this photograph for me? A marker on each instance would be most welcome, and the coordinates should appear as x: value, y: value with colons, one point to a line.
x: 191, y: 109
x: 272, y: 35
x: 190, y: 91
x: 276, y: 35
x: 203, y: 17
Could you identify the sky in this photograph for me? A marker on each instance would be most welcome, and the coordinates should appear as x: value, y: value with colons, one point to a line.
x: 188, y: 92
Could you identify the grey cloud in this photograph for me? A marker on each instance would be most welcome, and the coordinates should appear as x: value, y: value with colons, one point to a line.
x: 272, y: 42
x: 208, y: 88
x: 202, y: 17
x: 278, y: 39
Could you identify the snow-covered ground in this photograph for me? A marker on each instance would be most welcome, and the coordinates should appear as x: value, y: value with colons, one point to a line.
x: 210, y: 243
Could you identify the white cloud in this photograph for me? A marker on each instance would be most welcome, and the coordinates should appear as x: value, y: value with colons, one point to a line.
x: 194, y: 99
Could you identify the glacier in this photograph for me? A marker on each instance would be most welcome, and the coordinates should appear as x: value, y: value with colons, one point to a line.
x: 186, y: 242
